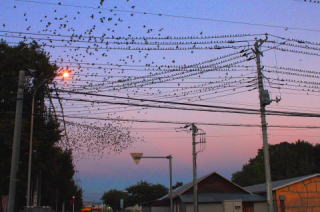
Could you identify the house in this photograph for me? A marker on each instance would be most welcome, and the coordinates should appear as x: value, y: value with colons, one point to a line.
x: 299, y: 194
x: 215, y: 194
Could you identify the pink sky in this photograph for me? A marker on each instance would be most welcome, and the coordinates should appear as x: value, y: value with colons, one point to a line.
x: 227, y: 148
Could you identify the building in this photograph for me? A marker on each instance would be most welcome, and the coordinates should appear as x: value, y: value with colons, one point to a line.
x: 299, y: 194
x: 90, y: 206
x: 215, y: 194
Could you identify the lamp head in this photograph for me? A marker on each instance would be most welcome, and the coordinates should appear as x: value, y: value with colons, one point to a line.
x: 65, y: 74
x: 136, y: 156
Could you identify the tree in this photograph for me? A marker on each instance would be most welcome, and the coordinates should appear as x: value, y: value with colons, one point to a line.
x: 139, y: 193
x: 113, y: 197
x: 178, y: 184
x: 53, y: 167
x: 144, y: 192
x: 286, y: 160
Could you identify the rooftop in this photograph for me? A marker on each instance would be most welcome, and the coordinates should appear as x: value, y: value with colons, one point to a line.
x: 220, y: 197
x: 260, y: 188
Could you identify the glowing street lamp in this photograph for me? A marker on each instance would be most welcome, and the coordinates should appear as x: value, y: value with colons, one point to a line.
x: 65, y: 75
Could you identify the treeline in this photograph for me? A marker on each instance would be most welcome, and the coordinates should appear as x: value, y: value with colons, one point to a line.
x: 140, y: 193
x: 52, y: 166
x: 287, y: 160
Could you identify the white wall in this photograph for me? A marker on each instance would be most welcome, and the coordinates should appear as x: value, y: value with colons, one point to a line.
x: 260, y: 207
x: 206, y: 208
x: 232, y: 206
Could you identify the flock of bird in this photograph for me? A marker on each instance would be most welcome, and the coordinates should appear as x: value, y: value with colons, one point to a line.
x: 111, y: 51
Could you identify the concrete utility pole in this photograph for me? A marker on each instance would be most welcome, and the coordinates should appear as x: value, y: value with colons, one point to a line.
x: 194, y: 168
x: 264, y: 100
x: 170, y: 183
x: 16, y: 144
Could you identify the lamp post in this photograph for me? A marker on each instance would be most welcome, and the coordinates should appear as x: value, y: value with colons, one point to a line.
x: 64, y: 75
x: 31, y: 141
x: 137, y: 156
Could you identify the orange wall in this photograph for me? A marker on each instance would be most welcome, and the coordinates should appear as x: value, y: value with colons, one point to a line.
x: 303, y: 196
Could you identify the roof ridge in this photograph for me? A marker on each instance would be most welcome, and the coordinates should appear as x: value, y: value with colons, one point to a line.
x: 186, y: 186
x: 181, y: 189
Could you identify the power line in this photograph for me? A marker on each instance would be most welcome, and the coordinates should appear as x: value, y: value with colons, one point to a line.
x: 132, y: 42
x: 191, y: 45
x: 156, y: 101
x: 120, y: 111
x: 221, y: 109
x: 158, y: 107
x: 216, y: 47
x: 177, y: 16
x: 309, y: 1
x: 191, y: 37
x: 185, y: 122
x: 220, y: 88
x: 293, y: 51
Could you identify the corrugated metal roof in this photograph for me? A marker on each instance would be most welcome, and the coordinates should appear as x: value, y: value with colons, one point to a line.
x: 259, y: 188
x: 220, y: 197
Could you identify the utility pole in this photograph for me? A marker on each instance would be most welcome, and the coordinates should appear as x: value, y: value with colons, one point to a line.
x: 170, y: 182
x: 16, y: 144
x: 194, y: 168
x: 264, y: 100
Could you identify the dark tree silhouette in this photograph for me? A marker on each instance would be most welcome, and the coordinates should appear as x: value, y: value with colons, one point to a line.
x: 144, y: 192
x: 113, y: 197
x: 287, y: 160
x: 53, y: 168
x: 177, y: 185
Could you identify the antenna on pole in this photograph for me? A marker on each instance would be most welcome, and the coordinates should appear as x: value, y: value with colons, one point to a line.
x: 136, y: 156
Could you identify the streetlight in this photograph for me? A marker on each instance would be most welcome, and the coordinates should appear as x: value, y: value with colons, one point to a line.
x: 64, y: 75
x: 137, y: 157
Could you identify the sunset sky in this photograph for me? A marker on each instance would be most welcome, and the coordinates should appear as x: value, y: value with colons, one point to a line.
x: 227, y: 148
